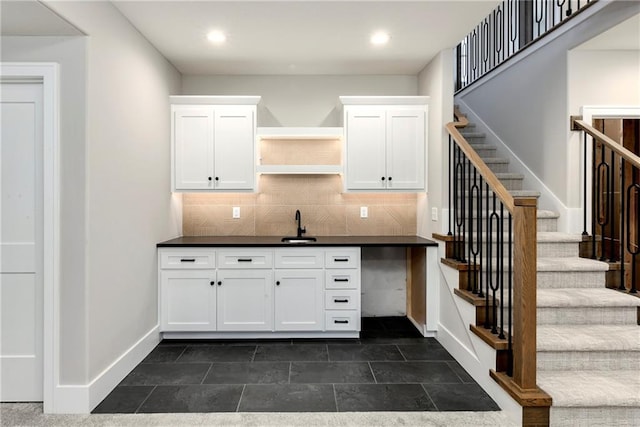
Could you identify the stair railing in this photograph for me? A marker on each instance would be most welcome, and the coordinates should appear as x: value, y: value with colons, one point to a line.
x: 611, y: 164
x: 494, y: 233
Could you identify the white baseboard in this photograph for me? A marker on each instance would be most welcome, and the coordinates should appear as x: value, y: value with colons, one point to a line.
x: 81, y: 399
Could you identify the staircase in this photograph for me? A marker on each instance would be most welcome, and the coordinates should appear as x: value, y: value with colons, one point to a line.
x: 588, y: 338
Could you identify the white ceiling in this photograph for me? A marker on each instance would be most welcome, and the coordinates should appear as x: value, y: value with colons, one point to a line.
x: 303, y: 37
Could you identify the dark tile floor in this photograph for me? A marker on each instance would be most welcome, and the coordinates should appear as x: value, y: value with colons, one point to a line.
x: 390, y: 368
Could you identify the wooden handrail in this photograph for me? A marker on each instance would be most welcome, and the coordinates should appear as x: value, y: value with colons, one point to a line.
x: 488, y: 175
x: 627, y: 155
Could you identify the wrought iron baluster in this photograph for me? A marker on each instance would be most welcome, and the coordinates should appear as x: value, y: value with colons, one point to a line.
x: 611, y: 201
x: 593, y: 199
x: 584, y: 185
x: 500, y: 272
x: 474, y: 244
x: 488, y: 259
x: 480, y: 236
x: 510, y: 307
x: 633, y: 248
x: 603, y: 217
x: 494, y: 284
x: 485, y: 45
x: 451, y: 174
x: 469, y: 220
x: 622, y: 285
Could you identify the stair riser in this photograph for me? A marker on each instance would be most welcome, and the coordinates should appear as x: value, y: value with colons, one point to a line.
x: 570, y: 279
x: 587, y: 315
x: 618, y: 416
x: 588, y: 360
x: 557, y: 249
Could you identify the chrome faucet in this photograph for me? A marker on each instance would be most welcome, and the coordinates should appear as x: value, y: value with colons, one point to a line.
x: 301, y: 230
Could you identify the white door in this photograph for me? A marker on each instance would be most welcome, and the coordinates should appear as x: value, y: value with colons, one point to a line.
x: 299, y: 300
x: 188, y: 300
x: 21, y: 245
x: 405, y: 149
x: 234, y: 153
x: 193, y: 145
x: 365, y: 149
x: 245, y: 300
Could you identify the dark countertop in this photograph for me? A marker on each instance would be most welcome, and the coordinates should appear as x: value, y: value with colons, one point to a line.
x: 275, y: 241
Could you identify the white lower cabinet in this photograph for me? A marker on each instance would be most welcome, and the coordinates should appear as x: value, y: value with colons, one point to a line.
x: 245, y: 300
x: 241, y: 292
x: 299, y: 300
x: 188, y: 300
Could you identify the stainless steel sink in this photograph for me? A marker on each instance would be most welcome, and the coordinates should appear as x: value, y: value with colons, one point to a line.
x: 299, y: 240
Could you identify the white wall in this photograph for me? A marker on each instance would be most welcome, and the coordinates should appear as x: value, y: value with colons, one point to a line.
x: 526, y: 104
x: 436, y: 81
x: 289, y: 100
x: 128, y: 200
x: 70, y: 53
x: 601, y: 77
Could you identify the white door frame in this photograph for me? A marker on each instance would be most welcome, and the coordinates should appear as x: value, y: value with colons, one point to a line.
x: 47, y: 74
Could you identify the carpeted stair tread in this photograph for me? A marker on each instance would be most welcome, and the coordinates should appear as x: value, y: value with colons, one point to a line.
x: 568, y: 297
x: 586, y: 338
x: 592, y: 388
x: 555, y: 236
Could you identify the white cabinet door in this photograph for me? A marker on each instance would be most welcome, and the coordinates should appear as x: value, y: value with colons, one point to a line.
x: 188, y: 300
x: 234, y: 138
x: 245, y: 301
x: 366, y: 155
x: 405, y: 149
x: 193, y: 147
x: 299, y: 300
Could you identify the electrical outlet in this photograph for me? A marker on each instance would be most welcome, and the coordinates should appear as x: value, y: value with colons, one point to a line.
x: 434, y: 214
x: 236, y: 211
x: 364, y: 212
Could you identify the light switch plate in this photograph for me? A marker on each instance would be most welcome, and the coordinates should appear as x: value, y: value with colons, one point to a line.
x: 434, y: 214
x: 364, y: 212
x: 236, y: 211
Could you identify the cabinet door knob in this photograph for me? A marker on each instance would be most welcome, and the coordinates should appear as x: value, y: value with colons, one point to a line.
x: 216, y: 178
x: 390, y: 178
x: 382, y: 178
x: 209, y: 178
x: 212, y: 283
x: 278, y: 283
x: 219, y: 283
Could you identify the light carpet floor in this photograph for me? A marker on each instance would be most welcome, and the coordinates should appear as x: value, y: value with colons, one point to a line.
x: 30, y: 414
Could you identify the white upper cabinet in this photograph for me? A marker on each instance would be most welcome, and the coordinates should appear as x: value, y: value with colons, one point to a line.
x: 385, y: 143
x: 213, y: 143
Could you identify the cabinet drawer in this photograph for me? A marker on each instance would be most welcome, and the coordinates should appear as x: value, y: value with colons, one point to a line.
x: 341, y: 300
x: 187, y: 259
x: 299, y: 258
x: 245, y: 259
x: 341, y: 279
x: 341, y: 321
x: 343, y: 258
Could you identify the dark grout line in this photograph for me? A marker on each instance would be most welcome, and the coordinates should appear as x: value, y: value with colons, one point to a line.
x: 429, y: 396
x: 207, y: 373
x: 375, y: 380
x: 145, y: 399
x: 240, y: 400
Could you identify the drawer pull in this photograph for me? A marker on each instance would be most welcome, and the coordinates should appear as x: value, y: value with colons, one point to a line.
x: 244, y: 260
x: 341, y: 321
x: 340, y: 280
x: 340, y: 300
x: 187, y: 260
x: 341, y: 259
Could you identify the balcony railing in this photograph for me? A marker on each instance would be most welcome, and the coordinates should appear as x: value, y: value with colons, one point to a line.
x: 511, y: 27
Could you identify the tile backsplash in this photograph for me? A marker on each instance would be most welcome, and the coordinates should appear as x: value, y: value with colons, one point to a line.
x: 326, y: 211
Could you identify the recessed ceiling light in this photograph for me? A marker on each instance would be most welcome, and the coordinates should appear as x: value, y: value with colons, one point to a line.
x: 217, y: 37
x: 380, y: 38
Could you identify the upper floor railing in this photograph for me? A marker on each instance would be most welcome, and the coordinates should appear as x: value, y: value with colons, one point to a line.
x: 511, y: 27
x: 611, y: 180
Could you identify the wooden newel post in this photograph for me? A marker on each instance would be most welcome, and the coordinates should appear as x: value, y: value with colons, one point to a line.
x: 524, y: 292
